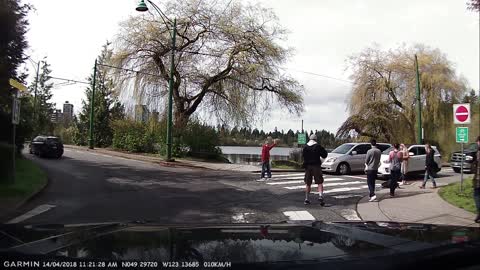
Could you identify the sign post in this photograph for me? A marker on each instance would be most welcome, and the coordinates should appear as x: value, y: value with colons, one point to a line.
x: 302, y: 138
x: 15, y: 118
x: 461, y: 115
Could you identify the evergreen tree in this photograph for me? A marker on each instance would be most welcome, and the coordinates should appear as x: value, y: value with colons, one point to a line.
x: 44, y: 108
x: 106, y: 106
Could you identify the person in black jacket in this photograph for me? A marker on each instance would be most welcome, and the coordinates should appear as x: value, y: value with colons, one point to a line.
x: 430, y: 166
x: 313, y: 169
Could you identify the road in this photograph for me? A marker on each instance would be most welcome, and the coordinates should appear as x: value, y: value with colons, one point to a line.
x: 86, y: 187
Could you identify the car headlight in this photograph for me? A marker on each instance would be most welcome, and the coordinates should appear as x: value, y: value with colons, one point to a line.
x: 468, y: 158
x: 330, y: 160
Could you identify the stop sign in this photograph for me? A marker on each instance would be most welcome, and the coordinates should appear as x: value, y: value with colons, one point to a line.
x: 461, y: 113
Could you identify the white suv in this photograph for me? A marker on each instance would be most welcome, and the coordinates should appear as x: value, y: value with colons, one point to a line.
x: 416, y: 162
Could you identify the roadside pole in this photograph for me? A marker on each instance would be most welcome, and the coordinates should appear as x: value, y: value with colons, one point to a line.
x: 15, y: 119
x: 461, y: 170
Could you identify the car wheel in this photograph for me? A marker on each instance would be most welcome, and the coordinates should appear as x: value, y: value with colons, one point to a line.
x: 343, y: 168
x: 457, y: 170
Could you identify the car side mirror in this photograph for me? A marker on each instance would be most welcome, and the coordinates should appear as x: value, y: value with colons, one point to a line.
x: 411, y: 154
x: 354, y: 153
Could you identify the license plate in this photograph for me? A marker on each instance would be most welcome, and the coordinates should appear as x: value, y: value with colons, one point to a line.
x: 54, y: 147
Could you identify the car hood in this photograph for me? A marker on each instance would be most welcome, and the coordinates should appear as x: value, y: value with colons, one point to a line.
x: 242, y: 243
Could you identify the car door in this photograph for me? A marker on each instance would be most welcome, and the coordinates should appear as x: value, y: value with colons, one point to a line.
x: 417, y: 162
x: 358, y: 161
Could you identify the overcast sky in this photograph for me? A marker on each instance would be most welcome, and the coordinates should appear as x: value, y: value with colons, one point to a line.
x: 323, y: 33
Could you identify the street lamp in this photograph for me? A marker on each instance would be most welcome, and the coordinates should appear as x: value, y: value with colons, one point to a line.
x: 142, y: 7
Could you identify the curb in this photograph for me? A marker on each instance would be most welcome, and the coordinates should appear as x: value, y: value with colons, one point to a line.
x: 33, y: 195
x: 136, y: 157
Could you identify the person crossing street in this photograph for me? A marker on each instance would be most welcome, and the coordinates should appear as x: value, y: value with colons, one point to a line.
x: 312, y: 154
x: 269, y: 144
x: 372, y: 162
x: 395, y: 157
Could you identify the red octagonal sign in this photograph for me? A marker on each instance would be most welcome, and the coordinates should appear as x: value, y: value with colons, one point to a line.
x: 462, y: 114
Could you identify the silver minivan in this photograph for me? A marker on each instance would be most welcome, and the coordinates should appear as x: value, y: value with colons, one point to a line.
x: 349, y: 157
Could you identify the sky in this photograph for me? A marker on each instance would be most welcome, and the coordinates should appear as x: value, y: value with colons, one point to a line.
x: 322, y: 33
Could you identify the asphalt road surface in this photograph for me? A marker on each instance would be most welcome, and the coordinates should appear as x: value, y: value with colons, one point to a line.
x: 87, y: 187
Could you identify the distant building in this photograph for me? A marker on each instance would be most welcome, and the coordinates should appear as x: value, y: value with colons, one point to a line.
x: 57, y: 116
x: 141, y: 113
x: 67, y: 112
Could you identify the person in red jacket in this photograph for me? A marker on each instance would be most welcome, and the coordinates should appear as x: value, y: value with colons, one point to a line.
x: 266, y: 157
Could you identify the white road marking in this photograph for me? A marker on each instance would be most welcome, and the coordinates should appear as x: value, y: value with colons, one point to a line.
x: 241, y: 217
x: 327, y: 185
x: 36, y: 211
x: 296, y: 182
x: 349, y: 214
x: 335, y: 190
x: 346, y: 196
x: 299, y: 215
x: 285, y: 175
x: 357, y: 177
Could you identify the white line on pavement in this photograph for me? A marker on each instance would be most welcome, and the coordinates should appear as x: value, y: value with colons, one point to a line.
x: 349, y: 214
x: 335, y: 190
x: 299, y: 215
x: 328, y: 185
x: 36, y: 211
x: 296, y: 182
x: 346, y: 196
x: 357, y: 177
x: 285, y: 175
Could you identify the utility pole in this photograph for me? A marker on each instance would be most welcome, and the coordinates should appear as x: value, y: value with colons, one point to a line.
x: 302, y: 125
x: 35, y: 96
x: 170, y: 94
x: 92, y: 104
x: 419, y: 105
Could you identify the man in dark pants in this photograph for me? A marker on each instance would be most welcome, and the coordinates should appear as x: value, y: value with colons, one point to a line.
x: 476, y: 182
x: 372, y: 162
x: 395, y: 158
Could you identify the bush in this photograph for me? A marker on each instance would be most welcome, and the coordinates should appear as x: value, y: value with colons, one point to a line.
x: 131, y: 136
x: 296, y: 155
x: 66, y: 134
x: 286, y: 164
x: 200, y: 138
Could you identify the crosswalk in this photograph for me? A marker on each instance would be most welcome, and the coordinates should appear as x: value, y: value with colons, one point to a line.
x: 336, y: 185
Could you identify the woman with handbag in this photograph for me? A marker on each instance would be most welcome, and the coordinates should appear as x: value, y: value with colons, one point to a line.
x: 430, y: 166
x: 406, y: 156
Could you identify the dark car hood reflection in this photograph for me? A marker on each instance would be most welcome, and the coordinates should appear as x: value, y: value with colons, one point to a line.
x: 234, y: 243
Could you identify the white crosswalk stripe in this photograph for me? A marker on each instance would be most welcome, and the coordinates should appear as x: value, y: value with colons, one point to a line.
x: 336, y: 185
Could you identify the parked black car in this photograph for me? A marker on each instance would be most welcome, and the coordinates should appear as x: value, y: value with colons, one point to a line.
x: 469, y: 157
x: 46, y: 146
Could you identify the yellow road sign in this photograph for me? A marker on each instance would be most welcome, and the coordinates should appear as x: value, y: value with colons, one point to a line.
x: 16, y: 84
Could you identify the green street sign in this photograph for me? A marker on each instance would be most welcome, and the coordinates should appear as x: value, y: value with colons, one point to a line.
x: 462, y: 135
x: 302, y: 138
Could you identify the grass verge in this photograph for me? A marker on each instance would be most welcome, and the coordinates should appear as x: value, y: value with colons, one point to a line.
x: 452, y: 194
x: 29, y: 179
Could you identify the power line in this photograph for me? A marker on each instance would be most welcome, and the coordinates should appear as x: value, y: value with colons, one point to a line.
x: 319, y: 75
x: 67, y: 80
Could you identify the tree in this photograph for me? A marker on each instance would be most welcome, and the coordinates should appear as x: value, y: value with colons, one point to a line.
x: 44, y: 108
x: 474, y: 5
x: 382, y: 101
x: 228, y: 61
x: 471, y: 97
x: 14, y: 26
x: 106, y: 106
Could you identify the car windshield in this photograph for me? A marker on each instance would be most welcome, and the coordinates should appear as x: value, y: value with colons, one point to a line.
x: 387, y: 151
x: 343, y: 149
x: 473, y: 147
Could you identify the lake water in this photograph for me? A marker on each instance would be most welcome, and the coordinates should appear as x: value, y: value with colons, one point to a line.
x: 252, y: 154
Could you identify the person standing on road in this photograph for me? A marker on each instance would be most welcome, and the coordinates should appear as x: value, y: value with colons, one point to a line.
x: 430, y: 166
x: 476, y: 182
x: 372, y: 162
x: 404, y: 169
x: 395, y: 157
x: 269, y: 144
x: 312, y: 163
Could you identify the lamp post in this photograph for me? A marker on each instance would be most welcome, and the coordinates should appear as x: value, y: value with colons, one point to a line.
x: 142, y: 7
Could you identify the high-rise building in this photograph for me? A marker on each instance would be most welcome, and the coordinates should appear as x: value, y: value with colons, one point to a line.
x: 67, y: 111
x: 57, y: 116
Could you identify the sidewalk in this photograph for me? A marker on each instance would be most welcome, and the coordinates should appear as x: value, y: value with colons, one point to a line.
x: 176, y: 163
x: 412, y: 204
